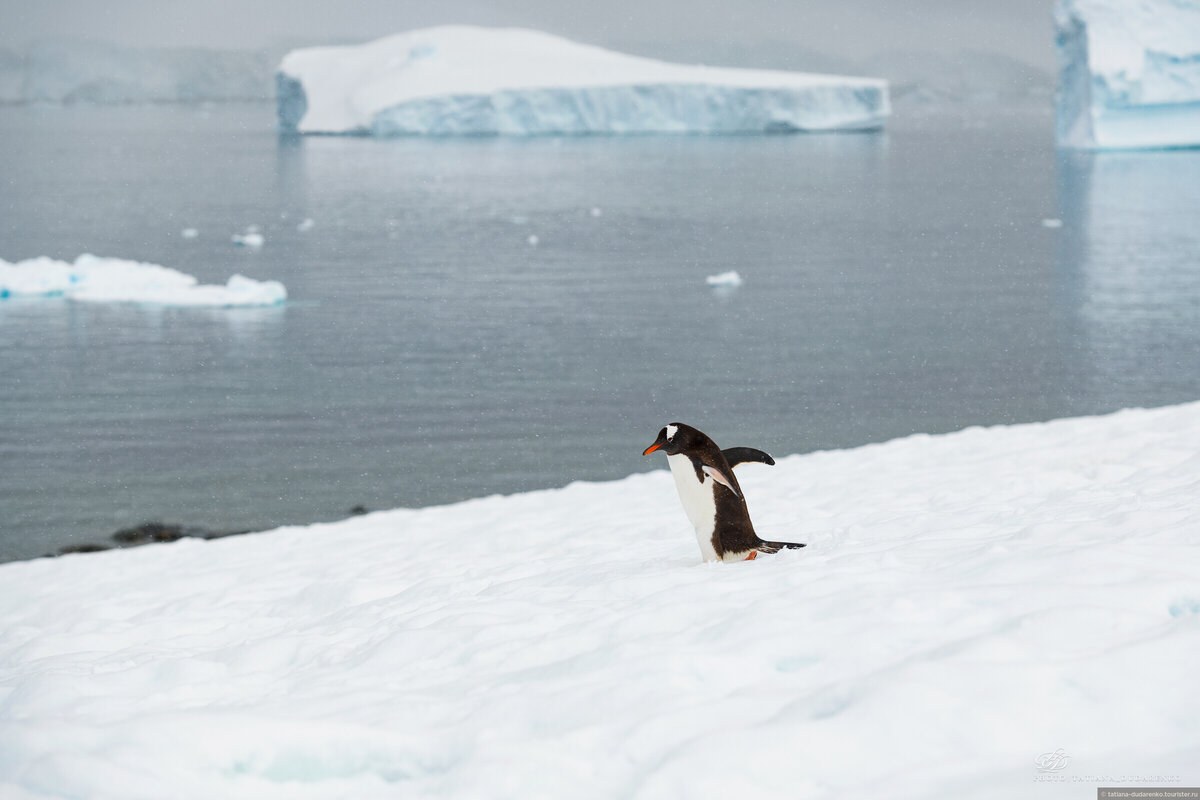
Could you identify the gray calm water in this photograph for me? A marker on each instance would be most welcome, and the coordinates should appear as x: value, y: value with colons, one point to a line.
x: 895, y: 283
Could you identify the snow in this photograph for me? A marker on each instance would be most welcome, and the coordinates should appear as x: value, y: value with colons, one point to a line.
x: 305, y: 225
x: 729, y: 279
x: 459, y: 79
x: 1051, y: 222
x: 1129, y: 73
x: 966, y: 603
x: 92, y: 279
x: 189, y: 233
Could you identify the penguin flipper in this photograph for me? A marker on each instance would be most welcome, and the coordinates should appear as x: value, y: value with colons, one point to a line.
x: 775, y: 547
x: 740, y: 455
x: 720, y: 477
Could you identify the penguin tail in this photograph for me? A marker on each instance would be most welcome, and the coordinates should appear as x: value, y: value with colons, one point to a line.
x: 775, y: 547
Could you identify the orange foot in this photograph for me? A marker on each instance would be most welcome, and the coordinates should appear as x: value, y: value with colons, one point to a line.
x: 750, y: 557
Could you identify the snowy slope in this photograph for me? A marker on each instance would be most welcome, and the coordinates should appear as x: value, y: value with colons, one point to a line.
x: 466, y: 80
x: 967, y: 603
x: 92, y: 279
x: 1129, y: 73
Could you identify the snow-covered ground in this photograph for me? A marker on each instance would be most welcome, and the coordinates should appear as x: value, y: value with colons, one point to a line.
x: 967, y: 603
x: 1129, y: 73
x: 461, y: 79
x: 93, y: 279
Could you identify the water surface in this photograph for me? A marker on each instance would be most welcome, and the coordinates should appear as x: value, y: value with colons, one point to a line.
x: 894, y: 283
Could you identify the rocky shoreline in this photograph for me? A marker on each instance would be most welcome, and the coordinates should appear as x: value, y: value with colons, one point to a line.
x: 158, y: 532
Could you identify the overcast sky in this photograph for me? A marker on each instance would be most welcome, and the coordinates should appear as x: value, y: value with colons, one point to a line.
x: 851, y: 29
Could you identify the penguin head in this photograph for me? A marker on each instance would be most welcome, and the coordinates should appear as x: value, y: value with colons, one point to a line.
x: 673, y: 439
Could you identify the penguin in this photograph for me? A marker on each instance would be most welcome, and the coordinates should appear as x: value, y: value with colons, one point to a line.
x: 711, y: 496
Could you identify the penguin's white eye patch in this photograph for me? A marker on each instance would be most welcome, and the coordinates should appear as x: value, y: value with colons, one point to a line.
x: 671, y: 432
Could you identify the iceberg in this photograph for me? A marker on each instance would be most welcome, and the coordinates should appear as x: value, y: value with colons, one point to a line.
x: 465, y: 80
x: 92, y: 279
x: 1129, y: 74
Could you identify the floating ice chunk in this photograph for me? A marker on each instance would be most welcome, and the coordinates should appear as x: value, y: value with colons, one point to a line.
x: 1129, y: 73
x: 37, y: 277
x: 305, y: 225
x: 464, y: 80
x: 254, y: 240
x: 189, y: 233
x: 730, y: 280
x: 92, y: 279
x: 1052, y: 223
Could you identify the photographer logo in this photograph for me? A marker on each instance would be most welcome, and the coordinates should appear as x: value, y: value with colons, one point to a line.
x: 1051, y: 762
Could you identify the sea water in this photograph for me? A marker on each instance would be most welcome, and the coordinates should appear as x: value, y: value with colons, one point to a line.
x: 482, y: 315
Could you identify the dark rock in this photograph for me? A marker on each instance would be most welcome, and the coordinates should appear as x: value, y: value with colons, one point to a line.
x: 148, y: 532
x: 85, y: 547
x: 358, y: 511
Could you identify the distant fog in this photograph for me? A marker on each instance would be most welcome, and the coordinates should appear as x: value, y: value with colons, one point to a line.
x: 813, y: 34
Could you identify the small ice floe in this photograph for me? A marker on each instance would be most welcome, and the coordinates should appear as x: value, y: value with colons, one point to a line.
x: 726, y: 280
x: 92, y: 279
x: 306, y: 225
x: 533, y: 240
x: 248, y: 239
x: 189, y: 233
x: 596, y: 211
x: 1051, y: 223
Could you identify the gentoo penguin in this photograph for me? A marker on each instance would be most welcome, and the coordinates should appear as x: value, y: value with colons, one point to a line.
x: 711, y: 496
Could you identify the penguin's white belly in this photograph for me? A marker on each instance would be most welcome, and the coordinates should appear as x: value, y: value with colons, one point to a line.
x: 699, y: 502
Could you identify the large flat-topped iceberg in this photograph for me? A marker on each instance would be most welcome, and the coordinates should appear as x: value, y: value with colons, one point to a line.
x: 1129, y: 73
x: 459, y: 80
x: 92, y: 279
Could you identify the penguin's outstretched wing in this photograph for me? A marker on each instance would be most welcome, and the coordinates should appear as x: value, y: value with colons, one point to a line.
x: 720, y: 477
x: 775, y: 547
x: 740, y: 455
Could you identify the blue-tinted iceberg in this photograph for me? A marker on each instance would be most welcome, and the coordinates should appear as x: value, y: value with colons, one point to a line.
x: 1129, y: 73
x: 92, y: 279
x: 462, y: 80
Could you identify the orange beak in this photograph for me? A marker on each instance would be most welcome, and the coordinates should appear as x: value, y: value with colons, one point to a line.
x: 651, y: 449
